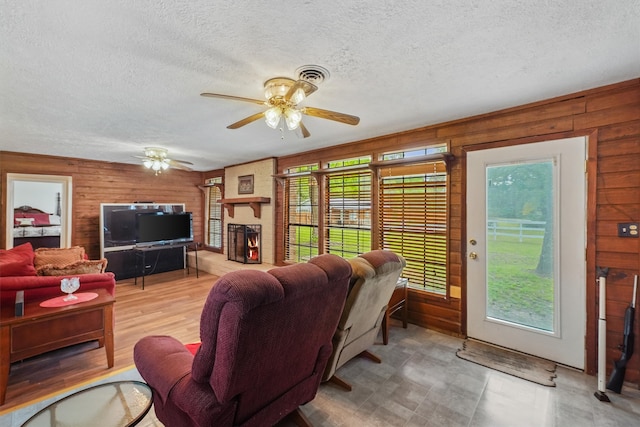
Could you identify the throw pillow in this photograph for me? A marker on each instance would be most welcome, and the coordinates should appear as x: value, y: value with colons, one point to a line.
x: 17, y: 261
x: 25, y: 222
x: 74, y: 269
x: 193, y: 347
x: 59, y: 257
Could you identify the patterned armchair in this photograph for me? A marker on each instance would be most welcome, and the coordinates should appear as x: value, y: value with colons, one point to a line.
x: 374, y: 278
x: 265, y: 341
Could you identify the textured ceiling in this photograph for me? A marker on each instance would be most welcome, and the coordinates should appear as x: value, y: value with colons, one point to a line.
x: 103, y: 79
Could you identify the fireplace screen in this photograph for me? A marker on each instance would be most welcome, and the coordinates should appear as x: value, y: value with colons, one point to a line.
x: 243, y: 243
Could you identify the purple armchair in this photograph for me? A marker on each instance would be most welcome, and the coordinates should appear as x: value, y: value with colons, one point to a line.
x: 266, y: 338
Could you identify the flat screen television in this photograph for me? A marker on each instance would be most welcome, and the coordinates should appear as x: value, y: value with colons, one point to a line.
x: 123, y: 225
x: 159, y: 228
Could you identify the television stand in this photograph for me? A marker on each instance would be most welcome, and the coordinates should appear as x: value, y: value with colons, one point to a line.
x: 141, y: 254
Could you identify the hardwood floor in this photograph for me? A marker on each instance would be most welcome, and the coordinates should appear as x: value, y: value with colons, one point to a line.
x: 170, y: 304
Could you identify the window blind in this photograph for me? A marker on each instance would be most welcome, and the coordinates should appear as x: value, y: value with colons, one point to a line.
x: 215, y: 218
x: 348, y: 213
x: 413, y: 222
x: 301, y: 216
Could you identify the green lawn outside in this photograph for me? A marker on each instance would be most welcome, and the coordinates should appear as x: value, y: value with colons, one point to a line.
x: 515, y: 292
x: 304, y: 245
x: 346, y: 242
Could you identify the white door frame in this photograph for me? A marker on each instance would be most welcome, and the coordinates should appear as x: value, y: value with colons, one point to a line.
x: 65, y: 201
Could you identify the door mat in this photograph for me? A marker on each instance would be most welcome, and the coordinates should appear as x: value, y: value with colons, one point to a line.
x: 510, y: 362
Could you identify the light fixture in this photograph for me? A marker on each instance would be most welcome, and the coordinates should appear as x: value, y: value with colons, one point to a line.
x: 156, y: 159
x: 293, y: 118
x: 298, y: 96
x: 275, y: 90
x: 272, y: 117
x: 277, y: 87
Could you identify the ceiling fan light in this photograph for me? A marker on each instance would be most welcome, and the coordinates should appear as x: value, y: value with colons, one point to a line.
x: 298, y: 96
x: 278, y: 86
x: 272, y: 117
x: 293, y: 118
x: 275, y: 90
x: 155, y: 152
x: 157, y: 159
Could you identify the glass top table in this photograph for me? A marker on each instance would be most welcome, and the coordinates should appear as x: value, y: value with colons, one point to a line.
x: 122, y: 403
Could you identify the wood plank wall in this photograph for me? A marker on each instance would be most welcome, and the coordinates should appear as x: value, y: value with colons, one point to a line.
x: 96, y: 182
x: 610, y: 117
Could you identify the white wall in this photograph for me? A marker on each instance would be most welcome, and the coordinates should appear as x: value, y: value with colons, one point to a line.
x: 39, y: 195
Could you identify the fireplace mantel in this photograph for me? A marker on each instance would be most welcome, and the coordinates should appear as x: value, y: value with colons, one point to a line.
x: 253, y: 202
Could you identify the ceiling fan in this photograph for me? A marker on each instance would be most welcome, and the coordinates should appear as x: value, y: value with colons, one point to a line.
x: 157, y: 159
x: 283, y: 96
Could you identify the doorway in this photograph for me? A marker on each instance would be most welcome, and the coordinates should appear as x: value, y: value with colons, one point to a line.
x: 46, y: 200
x: 526, y: 240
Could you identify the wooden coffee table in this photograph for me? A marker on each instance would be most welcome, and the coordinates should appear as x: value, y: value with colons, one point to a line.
x: 45, y: 329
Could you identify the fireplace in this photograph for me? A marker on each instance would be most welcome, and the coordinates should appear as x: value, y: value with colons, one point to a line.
x: 243, y: 243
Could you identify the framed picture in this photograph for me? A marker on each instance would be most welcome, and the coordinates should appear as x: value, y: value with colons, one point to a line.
x: 245, y: 184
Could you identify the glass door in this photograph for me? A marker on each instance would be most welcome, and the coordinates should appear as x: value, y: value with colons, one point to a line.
x: 526, y: 248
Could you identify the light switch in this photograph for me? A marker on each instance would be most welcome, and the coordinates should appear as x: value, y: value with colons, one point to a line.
x: 628, y: 229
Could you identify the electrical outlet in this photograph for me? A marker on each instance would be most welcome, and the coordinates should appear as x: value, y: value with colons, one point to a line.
x: 628, y: 229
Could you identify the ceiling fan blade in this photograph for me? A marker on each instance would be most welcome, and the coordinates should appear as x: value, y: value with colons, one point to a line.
x: 246, y: 121
x: 175, y: 165
x: 233, y: 98
x: 331, y: 115
x: 184, y: 162
x: 170, y: 160
x: 307, y: 88
x: 304, y: 131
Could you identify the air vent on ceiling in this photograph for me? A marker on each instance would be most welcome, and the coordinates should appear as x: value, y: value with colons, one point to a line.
x: 313, y: 74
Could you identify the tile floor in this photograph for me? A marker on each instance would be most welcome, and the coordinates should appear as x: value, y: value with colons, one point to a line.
x: 421, y: 382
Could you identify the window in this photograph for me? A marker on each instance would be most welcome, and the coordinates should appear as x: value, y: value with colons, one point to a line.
x: 415, y: 153
x: 347, y: 202
x: 214, y: 214
x: 413, y: 221
x: 411, y: 215
x: 301, y: 216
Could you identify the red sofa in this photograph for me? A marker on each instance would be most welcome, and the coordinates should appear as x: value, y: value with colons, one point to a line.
x: 42, y: 287
x: 18, y: 272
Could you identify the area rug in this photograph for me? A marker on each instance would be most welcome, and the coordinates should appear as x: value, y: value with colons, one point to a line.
x: 510, y: 362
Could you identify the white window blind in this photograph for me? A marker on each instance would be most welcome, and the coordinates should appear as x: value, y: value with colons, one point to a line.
x: 214, y: 215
